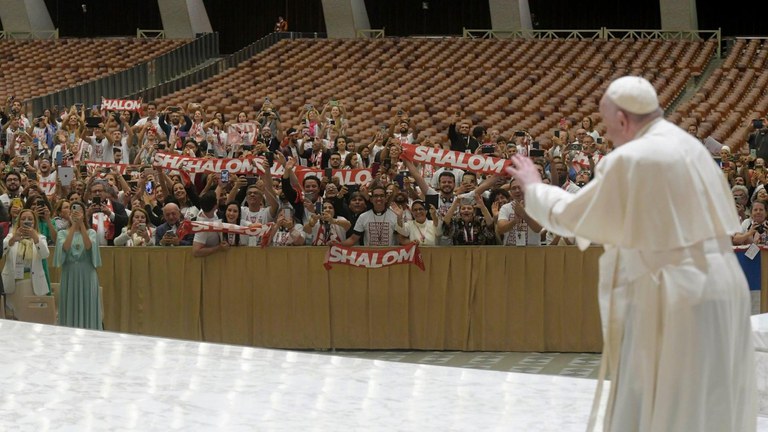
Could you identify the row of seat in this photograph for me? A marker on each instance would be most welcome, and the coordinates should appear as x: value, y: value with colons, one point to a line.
x: 30, y: 68
x: 505, y: 84
x: 732, y: 96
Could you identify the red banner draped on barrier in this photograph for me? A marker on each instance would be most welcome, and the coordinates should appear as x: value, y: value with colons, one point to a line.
x: 373, y: 258
x: 256, y: 229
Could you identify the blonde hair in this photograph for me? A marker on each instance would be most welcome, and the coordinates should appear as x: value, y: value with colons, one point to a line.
x: 18, y: 219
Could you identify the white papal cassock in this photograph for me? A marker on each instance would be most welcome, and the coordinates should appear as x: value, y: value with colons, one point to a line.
x: 673, y: 299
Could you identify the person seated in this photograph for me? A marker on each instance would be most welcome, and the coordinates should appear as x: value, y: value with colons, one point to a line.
x: 137, y: 232
x: 165, y: 234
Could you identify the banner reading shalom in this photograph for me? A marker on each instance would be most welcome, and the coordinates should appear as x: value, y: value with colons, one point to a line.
x: 453, y: 159
x: 347, y: 177
x: 256, y: 229
x: 373, y: 258
x: 121, y: 168
x: 120, y: 104
x: 246, y: 165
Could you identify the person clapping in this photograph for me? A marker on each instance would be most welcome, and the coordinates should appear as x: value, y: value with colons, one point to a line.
x: 419, y: 230
x: 77, y: 253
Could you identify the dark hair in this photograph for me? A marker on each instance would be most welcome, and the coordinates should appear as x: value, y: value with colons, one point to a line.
x: 495, y: 194
x: 336, y: 140
x: 379, y: 187
x: 478, y: 131
x: 38, y: 199
x: 311, y: 177
x: 12, y: 173
x: 446, y: 174
x: 239, y: 215
x: 208, y: 201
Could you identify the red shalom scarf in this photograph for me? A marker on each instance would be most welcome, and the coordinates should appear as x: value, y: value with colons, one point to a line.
x: 255, y: 229
x: 374, y: 258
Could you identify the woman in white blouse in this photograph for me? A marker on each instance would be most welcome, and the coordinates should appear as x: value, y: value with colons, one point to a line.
x: 419, y: 230
x: 24, y: 249
x: 137, y: 232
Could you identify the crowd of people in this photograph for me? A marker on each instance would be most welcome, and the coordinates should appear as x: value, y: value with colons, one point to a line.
x: 133, y: 203
x: 102, y: 164
x: 746, y: 173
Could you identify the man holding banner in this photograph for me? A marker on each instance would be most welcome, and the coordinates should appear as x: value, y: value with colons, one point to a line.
x: 674, y: 302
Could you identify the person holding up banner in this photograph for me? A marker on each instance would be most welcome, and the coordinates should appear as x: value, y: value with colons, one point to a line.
x: 208, y: 243
x: 459, y: 136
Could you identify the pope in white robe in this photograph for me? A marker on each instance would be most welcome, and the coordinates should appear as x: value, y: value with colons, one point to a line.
x: 674, y: 301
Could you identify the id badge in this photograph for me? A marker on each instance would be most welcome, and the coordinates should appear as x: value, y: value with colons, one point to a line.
x: 19, y: 269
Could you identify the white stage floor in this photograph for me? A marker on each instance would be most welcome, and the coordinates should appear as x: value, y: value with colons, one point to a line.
x: 56, y: 378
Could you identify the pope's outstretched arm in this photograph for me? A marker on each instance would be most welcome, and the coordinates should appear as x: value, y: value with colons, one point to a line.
x: 594, y: 214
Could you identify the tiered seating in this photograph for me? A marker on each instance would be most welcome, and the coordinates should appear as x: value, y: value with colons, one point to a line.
x: 507, y: 84
x: 732, y: 96
x: 30, y: 68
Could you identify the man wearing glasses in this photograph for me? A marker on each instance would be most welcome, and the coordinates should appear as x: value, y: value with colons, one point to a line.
x: 377, y: 225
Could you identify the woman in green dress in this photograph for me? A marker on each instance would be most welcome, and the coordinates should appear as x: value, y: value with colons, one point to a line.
x: 77, y: 253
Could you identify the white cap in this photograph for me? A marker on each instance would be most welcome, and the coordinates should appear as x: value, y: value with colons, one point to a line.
x: 633, y: 94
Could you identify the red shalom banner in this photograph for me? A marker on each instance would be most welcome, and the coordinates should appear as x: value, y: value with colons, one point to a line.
x: 453, y: 159
x: 256, y: 229
x: 247, y: 165
x: 120, y: 104
x: 356, y: 176
x: 373, y: 258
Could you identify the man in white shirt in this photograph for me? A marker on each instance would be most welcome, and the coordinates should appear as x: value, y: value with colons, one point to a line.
x: 674, y: 301
x: 151, y: 109
x: 377, y: 225
x: 46, y: 176
x: 208, y: 243
x: 255, y: 212
x: 119, y: 143
x: 100, y: 146
x: 514, y: 225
